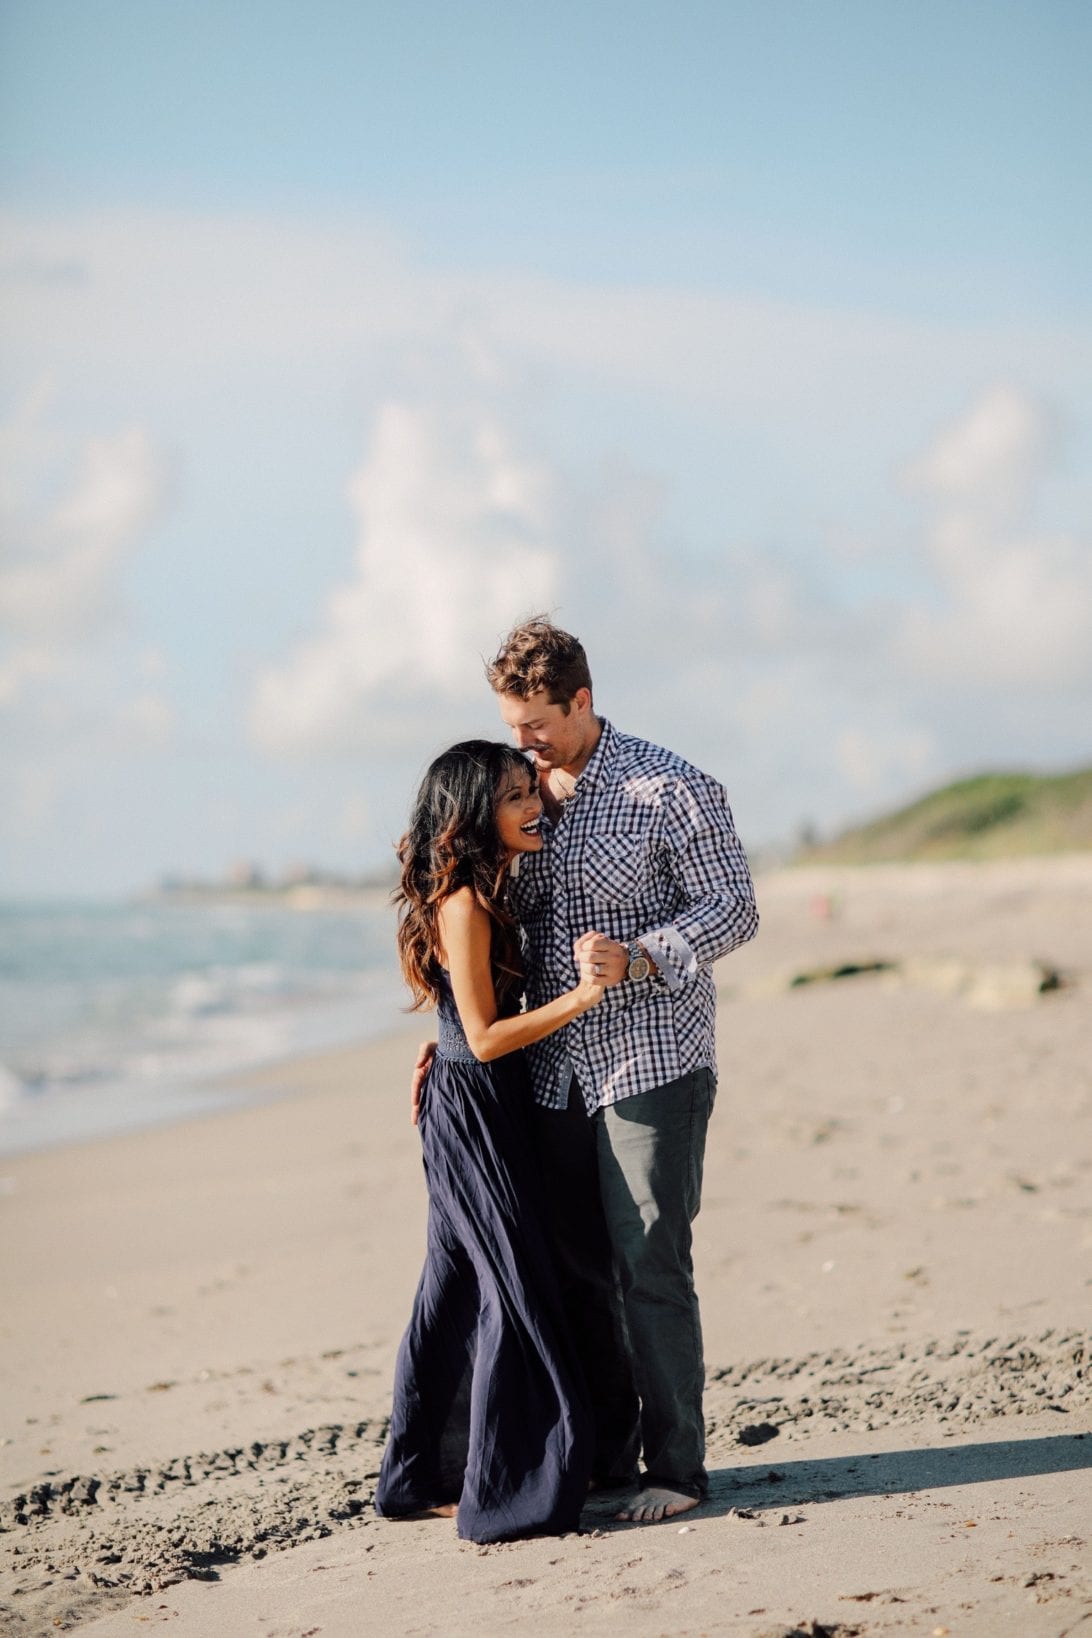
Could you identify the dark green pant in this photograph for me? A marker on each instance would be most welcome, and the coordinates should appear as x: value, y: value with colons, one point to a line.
x: 646, y: 1154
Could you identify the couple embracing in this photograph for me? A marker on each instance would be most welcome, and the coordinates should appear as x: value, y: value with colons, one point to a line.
x: 561, y: 904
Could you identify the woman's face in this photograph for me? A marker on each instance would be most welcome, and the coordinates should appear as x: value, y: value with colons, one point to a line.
x: 519, y: 813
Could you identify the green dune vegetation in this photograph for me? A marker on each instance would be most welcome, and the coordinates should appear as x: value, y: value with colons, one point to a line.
x: 992, y: 816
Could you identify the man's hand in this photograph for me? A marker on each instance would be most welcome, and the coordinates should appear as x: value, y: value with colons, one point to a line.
x: 610, y: 957
x: 425, y: 1054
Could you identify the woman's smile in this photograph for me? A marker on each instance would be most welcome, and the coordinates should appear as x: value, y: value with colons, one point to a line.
x: 519, y: 813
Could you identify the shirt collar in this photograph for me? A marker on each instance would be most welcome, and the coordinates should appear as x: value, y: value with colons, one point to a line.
x: 601, y: 758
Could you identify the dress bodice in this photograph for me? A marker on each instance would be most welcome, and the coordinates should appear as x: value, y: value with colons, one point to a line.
x: 451, y: 1037
x: 451, y: 1041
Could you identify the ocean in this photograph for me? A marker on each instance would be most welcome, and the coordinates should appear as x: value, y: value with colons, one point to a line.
x: 120, y: 1015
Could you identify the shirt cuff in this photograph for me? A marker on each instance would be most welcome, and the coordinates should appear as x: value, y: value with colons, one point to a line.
x: 675, y: 960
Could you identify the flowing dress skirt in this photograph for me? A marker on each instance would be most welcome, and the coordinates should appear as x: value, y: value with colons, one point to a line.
x: 490, y: 1409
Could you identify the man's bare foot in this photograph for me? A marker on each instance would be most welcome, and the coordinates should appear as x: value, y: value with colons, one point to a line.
x: 655, y: 1504
x: 443, y: 1510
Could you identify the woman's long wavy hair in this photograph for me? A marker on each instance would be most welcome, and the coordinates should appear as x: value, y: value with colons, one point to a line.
x: 453, y: 842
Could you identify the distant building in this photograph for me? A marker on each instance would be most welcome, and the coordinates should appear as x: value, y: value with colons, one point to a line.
x: 245, y: 874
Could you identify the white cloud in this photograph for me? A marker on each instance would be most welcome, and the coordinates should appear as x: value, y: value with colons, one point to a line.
x: 769, y: 666
x: 990, y: 455
x: 62, y: 580
x: 21, y: 668
x: 171, y: 297
x: 873, y: 762
x: 150, y: 717
x: 454, y: 543
x: 185, y: 293
x: 748, y: 437
x: 756, y: 661
x: 33, y: 793
x: 1013, y: 605
x: 63, y: 671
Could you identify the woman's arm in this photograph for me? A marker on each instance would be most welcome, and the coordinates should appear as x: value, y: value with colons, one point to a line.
x: 465, y: 928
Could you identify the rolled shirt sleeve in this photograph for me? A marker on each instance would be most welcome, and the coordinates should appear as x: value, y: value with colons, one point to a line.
x: 709, y: 867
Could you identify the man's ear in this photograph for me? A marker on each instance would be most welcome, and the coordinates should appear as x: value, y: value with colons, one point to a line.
x: 582, y: 699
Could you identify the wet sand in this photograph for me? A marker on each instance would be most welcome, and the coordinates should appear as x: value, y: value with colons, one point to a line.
x: 895, y: 1262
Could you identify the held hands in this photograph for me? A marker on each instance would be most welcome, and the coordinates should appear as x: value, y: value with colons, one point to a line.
x: 590, y: 990
x: 593, y: 983
x: 606, y: 954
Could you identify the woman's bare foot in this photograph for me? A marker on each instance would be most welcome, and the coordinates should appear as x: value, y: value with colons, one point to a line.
x: 655, y: 1504
x: 443, y: 1510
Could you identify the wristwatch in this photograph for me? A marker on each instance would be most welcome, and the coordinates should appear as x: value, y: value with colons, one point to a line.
x: 640, y: 967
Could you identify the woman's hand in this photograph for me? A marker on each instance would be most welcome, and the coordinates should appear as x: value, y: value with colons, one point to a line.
x: 610, y: 958
x: 590, y: 990
x: 591, y: 987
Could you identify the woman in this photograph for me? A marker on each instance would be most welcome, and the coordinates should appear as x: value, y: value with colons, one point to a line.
x: 490, y: 1419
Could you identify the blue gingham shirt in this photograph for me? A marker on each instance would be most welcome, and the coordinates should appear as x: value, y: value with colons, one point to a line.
x: 645, y: 849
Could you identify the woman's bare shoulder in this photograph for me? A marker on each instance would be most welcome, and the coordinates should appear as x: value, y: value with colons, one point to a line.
x: 462, y: 908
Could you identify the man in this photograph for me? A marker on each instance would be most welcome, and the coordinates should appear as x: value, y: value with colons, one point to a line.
x: 640, y: 849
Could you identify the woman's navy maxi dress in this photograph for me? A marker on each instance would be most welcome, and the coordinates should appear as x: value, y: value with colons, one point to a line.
x: 490, y: 1409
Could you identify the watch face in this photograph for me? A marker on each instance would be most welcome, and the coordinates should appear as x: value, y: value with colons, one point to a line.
x: 639, y: 968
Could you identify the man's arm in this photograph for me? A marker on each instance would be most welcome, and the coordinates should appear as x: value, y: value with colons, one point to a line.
x: 707, y: 861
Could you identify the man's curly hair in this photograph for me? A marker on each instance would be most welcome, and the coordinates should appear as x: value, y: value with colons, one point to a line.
x: 537, y: 654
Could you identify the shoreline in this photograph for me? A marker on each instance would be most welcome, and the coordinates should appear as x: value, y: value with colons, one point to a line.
x: 201, y: 1321
x: 225, y: 1092
x: 820, y: 933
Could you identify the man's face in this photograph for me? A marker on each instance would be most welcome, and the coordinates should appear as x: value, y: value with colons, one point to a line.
x: 554, y: 738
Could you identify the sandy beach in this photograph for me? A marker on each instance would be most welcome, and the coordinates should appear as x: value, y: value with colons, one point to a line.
x: 895, y: 1262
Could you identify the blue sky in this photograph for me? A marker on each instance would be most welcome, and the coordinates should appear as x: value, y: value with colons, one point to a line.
x: 715, y: 142
x: 753, y: 340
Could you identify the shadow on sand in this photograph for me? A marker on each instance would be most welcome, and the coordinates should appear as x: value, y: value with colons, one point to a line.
x: 895, y: 1472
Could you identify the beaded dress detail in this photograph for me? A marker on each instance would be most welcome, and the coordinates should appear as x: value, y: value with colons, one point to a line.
x: 451, y: 1040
